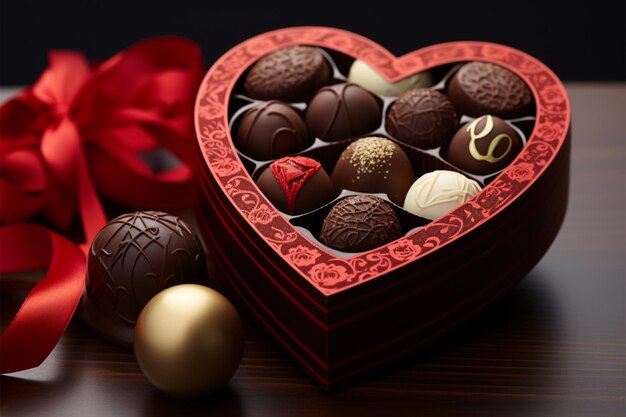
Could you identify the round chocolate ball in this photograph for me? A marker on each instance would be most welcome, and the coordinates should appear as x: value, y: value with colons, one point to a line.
x: 374, y: 165
x: 296, y: 185
x: 439, y: 192
x: 289, y: 74
x: 484, y: 146
x: 365, y: 76
x: 480, y: 88
x: 133, y: 258
x: 422, y: 117
x: 359, y: 223
x: 189, y: 341
x: 271, y: 130
x: 342, y: 111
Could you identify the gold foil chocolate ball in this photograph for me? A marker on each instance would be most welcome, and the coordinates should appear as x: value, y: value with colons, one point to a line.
x: 439, y: 192
x: 188, y: 340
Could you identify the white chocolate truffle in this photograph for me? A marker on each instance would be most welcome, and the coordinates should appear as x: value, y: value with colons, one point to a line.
x: 439, y: 192
x: 365, y: 76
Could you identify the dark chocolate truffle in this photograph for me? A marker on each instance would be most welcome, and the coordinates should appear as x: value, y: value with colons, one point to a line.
x: 133, y: 258
x: 296, y: 184
x: 484, y: 146
x: 481, y: 88
x: 271, y: 130
x: 422, y: 117
x: 359, y: 223
x: 374, y: 165
x: 289, y: 74
x: 342, y: 111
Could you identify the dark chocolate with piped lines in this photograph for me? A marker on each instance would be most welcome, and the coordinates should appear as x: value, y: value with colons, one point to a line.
x: 134, y: 257
x: 360, y: 223
x: 480, y: 88
x: 290, y: 74
x: 422, y: 117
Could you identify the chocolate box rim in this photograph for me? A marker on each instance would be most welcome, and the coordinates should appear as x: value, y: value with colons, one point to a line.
x: 324, y: 271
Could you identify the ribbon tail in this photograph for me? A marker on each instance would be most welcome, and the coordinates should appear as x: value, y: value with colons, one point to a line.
x: 46, y: 312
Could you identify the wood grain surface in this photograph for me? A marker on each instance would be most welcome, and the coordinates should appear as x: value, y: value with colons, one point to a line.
x: 554, y: 346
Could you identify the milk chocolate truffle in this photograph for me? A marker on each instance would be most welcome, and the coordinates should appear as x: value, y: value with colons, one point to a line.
x: 422, y: 117
x: 481, y: 88
x: 439, y: 192
x: 296, y: 184
x: 132, y: 258
x: 342, y: 111
x: 484, y: 146
x: 271, y: 130
x: 359, y: 223
x: 289, y: 74
x: 374, y: 165
x: 365, y: 76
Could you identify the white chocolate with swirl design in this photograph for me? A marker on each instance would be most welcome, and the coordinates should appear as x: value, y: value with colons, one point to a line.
x: 439, y: 192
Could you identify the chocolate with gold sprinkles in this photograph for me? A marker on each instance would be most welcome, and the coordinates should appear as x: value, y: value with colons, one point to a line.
x: 374, y: 165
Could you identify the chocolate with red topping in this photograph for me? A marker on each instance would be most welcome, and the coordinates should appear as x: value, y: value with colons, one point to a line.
x: 296, y: 185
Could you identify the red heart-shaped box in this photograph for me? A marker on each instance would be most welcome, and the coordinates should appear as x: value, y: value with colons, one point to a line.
x: 343, y: 317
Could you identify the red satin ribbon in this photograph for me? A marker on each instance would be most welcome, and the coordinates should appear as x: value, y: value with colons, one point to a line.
x: 77, y: 132
x: 47, y: 310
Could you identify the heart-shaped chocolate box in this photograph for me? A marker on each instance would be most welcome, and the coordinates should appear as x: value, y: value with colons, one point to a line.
x: 342, y: 316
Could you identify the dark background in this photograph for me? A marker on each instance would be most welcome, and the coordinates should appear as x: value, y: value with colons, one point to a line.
x: 578, y: 40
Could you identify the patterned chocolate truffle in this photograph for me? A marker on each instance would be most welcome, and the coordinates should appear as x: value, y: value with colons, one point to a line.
x: 296, y: 185
x: 374, y: 165
x: 342, y: 111
x: 439, y: 192
x: 359, y: 223
x: 271, y: 130
x: 289, y: 74
x: 422, y: 117
x: 484, y: 146
x: 365, y: 76
x: 133, y: 258
x: 481, y: 88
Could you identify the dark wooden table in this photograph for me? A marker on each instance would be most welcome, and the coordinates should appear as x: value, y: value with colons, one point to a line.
x: 554, y: 346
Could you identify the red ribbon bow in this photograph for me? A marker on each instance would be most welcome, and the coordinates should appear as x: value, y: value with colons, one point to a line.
x: 77, y: 130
